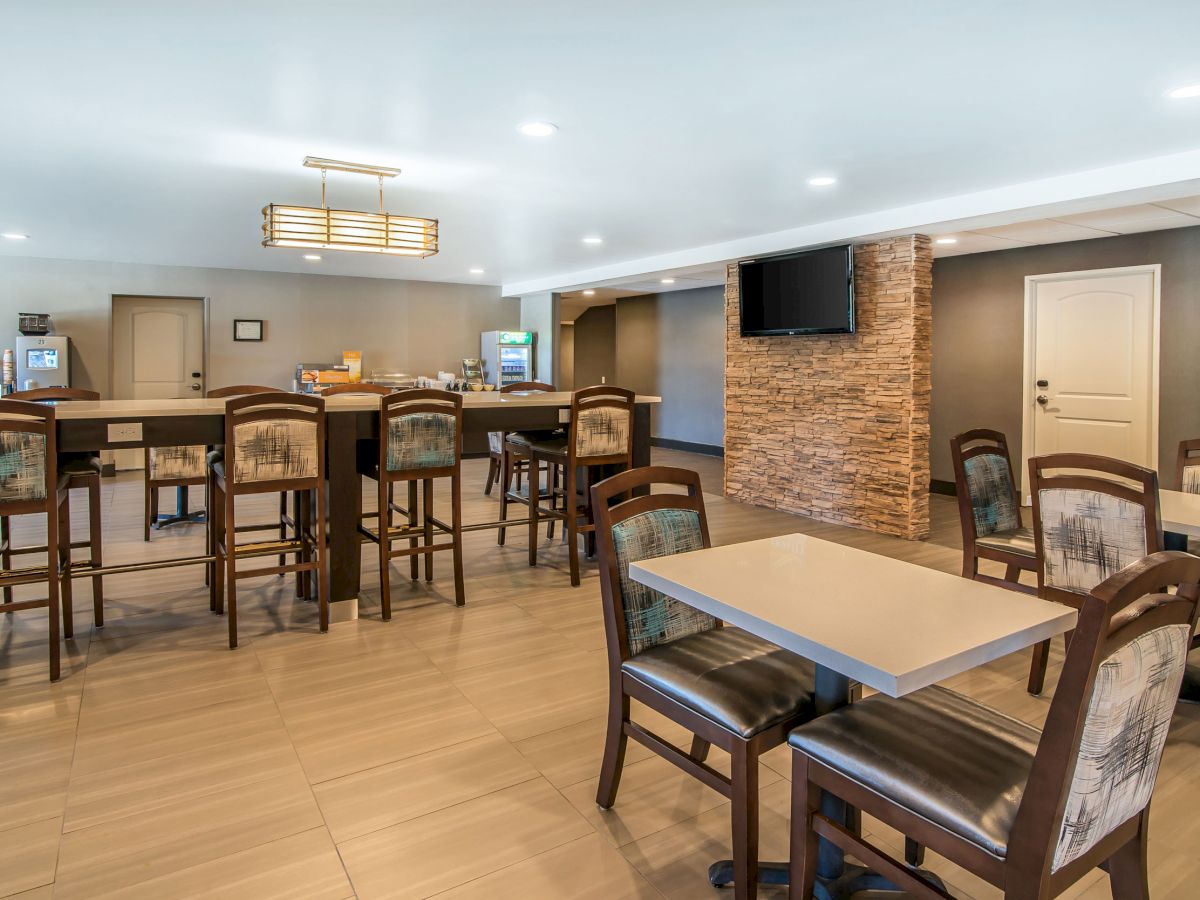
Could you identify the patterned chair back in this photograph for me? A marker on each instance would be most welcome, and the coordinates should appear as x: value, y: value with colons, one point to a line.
x: 646, y: 527
x: 28, y: 466
x: 1102, y: 744
x: 176, y: 463
x: 601, y: 425
x: 1189, y: 466
x: 423, y: 430
x: 984, y: 483
x: 274, y: 441
x: 1090, y: 524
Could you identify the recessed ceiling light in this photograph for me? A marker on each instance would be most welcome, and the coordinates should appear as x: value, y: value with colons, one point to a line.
x: 1185, y: 93
x: 588, y: 293
x: 592, y: 239
x: 822, y: 181
x: 537, y: 129
x: 668, y: 281
x: 946, y: 241
x: 14, y: 235
x: 312, y: 257
x: 475, y: 271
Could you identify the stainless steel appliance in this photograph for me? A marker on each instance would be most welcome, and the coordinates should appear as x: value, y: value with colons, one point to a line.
x: 43, y: 361
x: 508, y: 356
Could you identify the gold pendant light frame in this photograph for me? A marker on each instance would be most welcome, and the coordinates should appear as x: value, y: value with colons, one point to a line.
x: 322, y: 228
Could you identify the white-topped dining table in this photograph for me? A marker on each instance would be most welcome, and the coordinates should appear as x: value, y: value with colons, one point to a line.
x: 1180, y: 514
x: 892, y: 625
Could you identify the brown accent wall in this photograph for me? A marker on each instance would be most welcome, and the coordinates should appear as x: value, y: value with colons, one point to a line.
x: 836, y: 427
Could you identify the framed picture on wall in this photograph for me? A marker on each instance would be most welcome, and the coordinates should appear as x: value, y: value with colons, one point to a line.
x: 247, y: 329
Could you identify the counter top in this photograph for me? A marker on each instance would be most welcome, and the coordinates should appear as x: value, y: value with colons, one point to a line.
x: 114, y: 409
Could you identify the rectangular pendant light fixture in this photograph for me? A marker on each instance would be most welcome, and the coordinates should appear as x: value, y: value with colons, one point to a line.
x: 323, y: 228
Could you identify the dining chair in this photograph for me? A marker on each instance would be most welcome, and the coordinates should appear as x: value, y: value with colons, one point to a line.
x: 598, y: 441
x: 274, y: 443
x: 420, y: 440
x: 30, y: 484
x: 1031, y: 812
x: 496, y: 439
x: 82, y: 470
x: 723, y: 684
x: 989, y: 509
x: 1092, y: 516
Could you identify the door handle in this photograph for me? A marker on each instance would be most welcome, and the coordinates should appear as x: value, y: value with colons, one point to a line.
x: 1042, y: 399
x: 196, y: 386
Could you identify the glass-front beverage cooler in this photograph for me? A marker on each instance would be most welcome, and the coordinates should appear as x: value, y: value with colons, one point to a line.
x: 508, y: 356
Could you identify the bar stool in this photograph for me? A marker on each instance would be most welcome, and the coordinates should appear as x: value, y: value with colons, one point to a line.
x: 273, y: 443
x: 514, y: 460
x: 82, y: 470
x: 30, y: 484
x: 367, y: 451
x: 600, y: 438
x: 420, y: 440
x: 496, y: 461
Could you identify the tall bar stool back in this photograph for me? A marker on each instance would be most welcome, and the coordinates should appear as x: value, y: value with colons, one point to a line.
x: 497, y: 439
x: 30, y: 484
x: 600, y: 438
x: 82, y: 470
x: 420, y: 439
x: 1092, y: 517
x: 273, y: 443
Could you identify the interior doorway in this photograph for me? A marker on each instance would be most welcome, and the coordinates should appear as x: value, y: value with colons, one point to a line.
x: 159, y: 352
x: 1091, y: 364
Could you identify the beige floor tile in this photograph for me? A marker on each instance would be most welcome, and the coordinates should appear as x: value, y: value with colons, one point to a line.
x: 35, y: 766
x: 111, y: 857
x: 367, y: 801
x: 585, y: 869
x: 461, y: 639
x: 545, y: 692
x: 140, y: 788
x: 28, y: 854
x: 464, y: 842
x: 369, y: 724
x: 305, y: 865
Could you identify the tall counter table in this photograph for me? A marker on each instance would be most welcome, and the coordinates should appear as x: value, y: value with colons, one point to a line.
x: 130, y: 424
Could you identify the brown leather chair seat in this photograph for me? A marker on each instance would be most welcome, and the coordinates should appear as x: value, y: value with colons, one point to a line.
x: 530, y: 437
x: 961, y: 765
x: 730, y: 677
x: 1018, y: 540
x: 79, y: 464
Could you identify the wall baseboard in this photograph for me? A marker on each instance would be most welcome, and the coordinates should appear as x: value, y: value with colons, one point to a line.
x: 937, y: 486
x: 687, y: 446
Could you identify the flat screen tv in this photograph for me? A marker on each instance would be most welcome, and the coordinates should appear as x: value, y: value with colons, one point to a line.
x: 801, y: 293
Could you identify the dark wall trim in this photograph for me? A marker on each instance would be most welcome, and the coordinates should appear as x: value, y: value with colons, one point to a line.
x: 937, y: 486
x: 688, y: 446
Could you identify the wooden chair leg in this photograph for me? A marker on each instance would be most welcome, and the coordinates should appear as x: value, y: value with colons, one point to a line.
x: 385, y: 549
x: 321, y: 529
x: 283, y: 535
x: 414, y: 560
x: 970, y: 566
x: 700, y: 748
x: 96, y: 550
x: 220, y: 553
x: 231, y: 570
x: 806, y: 800
x: 914, y: 853
x: 52, y: 586
x: 744, y: 775
x: 147, y: 514
x: 427, y: 519
x: 1128, y: 871
x: 506, y: 476
x: 1012, y: 573
x: 1037, y: 668
x: 572, y: 527
x: 153, y: 509
x: 615, y: 741
x: 492, y: 475
x: 552, y: 477
x: 5, y: 555
x: 59, y: 556
x: 460, y: 597
x: 534, y: 506
x: 214, y: 516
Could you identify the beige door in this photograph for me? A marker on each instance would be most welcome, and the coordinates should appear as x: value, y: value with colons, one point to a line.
x: 157, y: 353
x: 1092, y: 364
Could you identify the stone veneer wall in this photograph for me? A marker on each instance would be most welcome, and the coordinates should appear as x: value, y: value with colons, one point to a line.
x: 836, y: 427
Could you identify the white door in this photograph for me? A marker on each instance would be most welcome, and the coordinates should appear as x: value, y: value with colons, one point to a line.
x: 1092, y: 364
x: 157, y: 353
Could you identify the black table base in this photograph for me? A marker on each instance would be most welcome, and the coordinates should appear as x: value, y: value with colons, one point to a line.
x: 181, y: 514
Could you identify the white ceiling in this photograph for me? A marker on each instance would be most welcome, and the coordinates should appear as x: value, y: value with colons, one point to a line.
x: 154, y: 132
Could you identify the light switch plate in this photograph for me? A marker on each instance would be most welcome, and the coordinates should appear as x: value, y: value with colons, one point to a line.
x: 124, y: 431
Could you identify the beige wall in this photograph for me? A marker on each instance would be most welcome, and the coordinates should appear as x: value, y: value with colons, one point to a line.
x: 595, y: 355
x: 978, y: 335
x: 417, y: 326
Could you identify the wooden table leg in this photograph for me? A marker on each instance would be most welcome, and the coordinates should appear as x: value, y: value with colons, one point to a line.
x: 345, y: 507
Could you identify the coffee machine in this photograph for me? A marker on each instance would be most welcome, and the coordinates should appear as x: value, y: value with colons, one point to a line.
x: 42, y: 358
